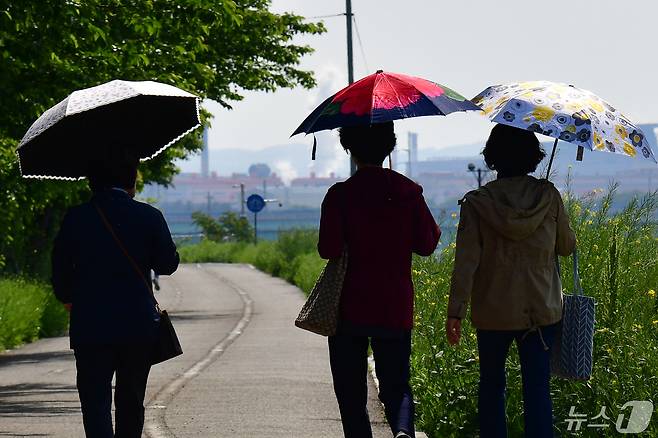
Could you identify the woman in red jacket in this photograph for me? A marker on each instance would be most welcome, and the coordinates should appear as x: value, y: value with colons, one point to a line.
x: 382, y: 218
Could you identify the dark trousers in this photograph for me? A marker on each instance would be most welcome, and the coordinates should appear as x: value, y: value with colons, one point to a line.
x: 96, y: 365
x: 493, y: 346
x: 348, y: 355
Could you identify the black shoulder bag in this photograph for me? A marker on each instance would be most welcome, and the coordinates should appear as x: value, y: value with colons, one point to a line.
x: 167, y: 345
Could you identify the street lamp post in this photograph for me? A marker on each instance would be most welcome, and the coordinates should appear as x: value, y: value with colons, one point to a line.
x: 478, y: 172
x: 242, y: 201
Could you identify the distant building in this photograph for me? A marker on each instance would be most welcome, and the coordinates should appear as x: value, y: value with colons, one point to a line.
x: 194, y: 188
x: 309, y: 191
x: 259, y: 170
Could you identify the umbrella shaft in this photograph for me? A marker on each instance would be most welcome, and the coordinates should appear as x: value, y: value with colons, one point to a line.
x: 550, y: 163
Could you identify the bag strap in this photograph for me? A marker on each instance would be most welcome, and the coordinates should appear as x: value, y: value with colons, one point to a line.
x: 126, y: 253
x: 577, y: 287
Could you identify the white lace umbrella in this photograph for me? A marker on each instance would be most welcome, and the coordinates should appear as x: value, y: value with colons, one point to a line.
x: 148, y: 116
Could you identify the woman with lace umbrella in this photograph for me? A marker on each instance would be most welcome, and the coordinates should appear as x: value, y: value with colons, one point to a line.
x: 146, y: 116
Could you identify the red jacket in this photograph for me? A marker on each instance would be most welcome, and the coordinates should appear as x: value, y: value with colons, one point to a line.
x: 382, y: 217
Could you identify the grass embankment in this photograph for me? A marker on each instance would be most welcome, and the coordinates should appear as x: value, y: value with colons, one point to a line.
x: 28, y: 311
x: 619, y: 268
x: 293, y: 256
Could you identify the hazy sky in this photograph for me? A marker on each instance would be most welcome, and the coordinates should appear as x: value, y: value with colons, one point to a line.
x: 608, y: 47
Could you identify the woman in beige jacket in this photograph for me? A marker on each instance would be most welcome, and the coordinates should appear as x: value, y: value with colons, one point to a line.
x: 509, y: 233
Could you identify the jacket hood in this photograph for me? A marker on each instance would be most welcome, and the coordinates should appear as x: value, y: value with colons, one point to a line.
x: 515, y: 207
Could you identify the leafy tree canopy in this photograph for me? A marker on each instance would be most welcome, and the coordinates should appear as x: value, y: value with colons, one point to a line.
x: 213, y: 48
x: 228, y: 227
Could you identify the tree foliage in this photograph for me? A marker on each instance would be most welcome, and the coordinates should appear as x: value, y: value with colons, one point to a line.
x: 213, y: 48
x: 228, y: 227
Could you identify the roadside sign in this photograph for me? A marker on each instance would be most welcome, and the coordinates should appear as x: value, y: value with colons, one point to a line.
x: 255, y: 203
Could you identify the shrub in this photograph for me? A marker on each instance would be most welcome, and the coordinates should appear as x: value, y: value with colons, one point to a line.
x: 269, y: 258
x: 208, y: 251
x: 28, y: 309
x: 309, y: 267
x: 292, y: 257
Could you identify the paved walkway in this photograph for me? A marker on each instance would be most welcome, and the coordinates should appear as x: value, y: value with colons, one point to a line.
x: 246, y: 372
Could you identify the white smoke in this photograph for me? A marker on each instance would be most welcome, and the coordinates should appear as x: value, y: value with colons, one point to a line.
x: 285, y: 170
x: 330, y: 79
x: 330, y: 155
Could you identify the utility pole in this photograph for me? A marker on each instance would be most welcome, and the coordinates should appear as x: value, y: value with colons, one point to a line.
x: 255, y: 228
x: 209, y: 199
x: 242, y: 201
x: 350, y: 60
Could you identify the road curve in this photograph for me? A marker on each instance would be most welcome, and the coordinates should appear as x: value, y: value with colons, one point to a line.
x: 246, y: 372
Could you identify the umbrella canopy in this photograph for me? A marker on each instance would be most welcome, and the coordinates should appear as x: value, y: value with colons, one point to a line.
x: 566, y: 113
x: 383, y: 97
x: 148, y: 116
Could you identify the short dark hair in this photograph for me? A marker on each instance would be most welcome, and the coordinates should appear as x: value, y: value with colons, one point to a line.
x: 117, y: 168
x: 512, y: 151
x: 370, y: 144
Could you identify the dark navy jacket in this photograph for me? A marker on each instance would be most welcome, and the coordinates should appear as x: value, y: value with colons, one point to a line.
x: 111, y: 304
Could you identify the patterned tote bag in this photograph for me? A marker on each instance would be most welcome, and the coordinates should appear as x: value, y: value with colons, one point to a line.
x: 571, y: 356
x: 320, y: 312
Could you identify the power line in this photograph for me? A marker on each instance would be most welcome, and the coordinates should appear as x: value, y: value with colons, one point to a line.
x: 358, y: 38
x: 325, y: 16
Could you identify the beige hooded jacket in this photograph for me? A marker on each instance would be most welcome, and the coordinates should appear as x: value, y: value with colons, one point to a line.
x: 509, y: 232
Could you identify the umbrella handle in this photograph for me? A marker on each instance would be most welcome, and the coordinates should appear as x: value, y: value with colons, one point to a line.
x: 550, y: 163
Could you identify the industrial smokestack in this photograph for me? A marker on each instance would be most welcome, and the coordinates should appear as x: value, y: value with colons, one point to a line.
x: 412, y: 143
x: 204, y: 155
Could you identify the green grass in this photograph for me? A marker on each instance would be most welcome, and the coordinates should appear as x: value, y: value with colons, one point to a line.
x: 293, y: 256
x: 28, y: 311
x: 618, y: 267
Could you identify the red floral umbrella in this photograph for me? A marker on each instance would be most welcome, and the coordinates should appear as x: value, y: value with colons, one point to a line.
x: 382, y: 97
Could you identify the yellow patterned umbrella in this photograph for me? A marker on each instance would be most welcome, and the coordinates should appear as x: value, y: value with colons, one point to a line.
x: 566, y: 113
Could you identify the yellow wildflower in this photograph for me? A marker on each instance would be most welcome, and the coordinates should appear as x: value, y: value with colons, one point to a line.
x: 655, y: 322
x: 651, y: 293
